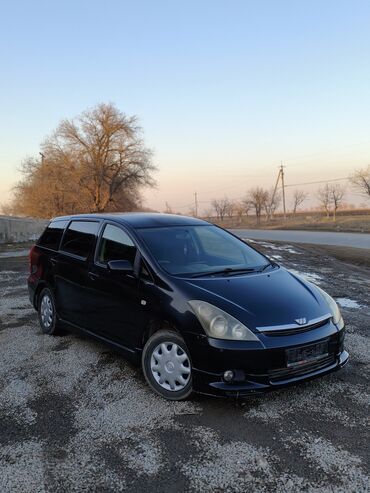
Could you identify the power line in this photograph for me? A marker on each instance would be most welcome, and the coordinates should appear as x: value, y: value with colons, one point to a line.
x: 222, y: 189
x: 315, y: 182
x: 197, y: 201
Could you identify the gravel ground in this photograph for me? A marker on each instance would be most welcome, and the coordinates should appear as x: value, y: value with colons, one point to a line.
x: 75, y: 416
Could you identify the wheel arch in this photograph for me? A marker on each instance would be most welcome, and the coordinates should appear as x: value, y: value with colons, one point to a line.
x: 155, y: 325
x: 40, y: 286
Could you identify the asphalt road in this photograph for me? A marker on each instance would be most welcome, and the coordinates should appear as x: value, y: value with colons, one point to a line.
x: 355, y: 240
x: 75, y: 416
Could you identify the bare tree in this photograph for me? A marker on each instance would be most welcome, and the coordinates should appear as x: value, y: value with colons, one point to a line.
x: 337, y: 193
x: 361, y: 181
x: 325, y: 198
x: 246, y: 205
x: 221, y: 206
x: 257, y: 198
x: 168, y: 209
x: 231, y: 209
x: 47, y: 190
x: 6, y: 208
x: 299, y: 196
x: 331, y: 198
x: 94, y: 163
x: 240, y: 209
x: 272, y: 202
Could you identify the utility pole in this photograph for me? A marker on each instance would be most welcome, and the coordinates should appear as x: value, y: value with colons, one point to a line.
x: 196, y: 204
x: 283, y: 188
x: 276, y: 185
x: 280, y: 176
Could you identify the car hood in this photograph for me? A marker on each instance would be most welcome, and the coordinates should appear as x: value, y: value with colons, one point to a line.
x: 261, y: 299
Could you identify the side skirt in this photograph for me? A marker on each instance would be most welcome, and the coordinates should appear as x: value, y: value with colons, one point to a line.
x: 133, y: 355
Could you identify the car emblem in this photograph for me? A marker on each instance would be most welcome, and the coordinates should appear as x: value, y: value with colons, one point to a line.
x: 301, y: 321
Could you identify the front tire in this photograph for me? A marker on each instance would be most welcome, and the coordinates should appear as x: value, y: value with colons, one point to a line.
x: 167, y: 366
x: 47, y: 312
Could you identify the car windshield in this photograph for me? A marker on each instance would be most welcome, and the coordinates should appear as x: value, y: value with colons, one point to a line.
x: 200, y: 250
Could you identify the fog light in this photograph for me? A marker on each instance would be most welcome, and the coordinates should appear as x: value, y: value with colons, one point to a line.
x: 228, y: 375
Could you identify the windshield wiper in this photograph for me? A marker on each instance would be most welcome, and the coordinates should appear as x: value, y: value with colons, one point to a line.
x: 265, y: 267
x: 270, y: 264
x: 226, y: 271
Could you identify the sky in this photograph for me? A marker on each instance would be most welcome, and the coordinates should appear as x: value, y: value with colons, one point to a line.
x: 224, y: 90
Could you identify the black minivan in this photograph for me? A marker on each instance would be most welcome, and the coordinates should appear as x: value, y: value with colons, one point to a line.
x: 198, y: 307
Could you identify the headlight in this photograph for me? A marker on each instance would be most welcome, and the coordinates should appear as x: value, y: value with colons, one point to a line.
x: 337, y: 316
x: 219, y: 324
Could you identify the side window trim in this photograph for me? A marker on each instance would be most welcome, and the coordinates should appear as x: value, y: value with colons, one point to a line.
x: 139, y: 257
x: 62, y: 238
x: 142, y: 261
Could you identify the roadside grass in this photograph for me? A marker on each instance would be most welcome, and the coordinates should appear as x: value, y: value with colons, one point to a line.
x: 356, y: 223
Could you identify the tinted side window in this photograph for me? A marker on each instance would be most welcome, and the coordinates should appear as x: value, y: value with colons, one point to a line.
x: 115, y: 244
x: 52, y: 235
x: 80, y: 237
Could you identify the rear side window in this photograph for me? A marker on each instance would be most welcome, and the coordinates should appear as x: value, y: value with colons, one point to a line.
x: 52, y: 235
x: 79, y: 238
x: 115, y: 244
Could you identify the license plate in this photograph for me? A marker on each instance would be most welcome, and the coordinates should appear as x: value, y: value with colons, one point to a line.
x: 306, y: 354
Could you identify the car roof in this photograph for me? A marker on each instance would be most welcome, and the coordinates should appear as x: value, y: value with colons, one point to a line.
x: 140, y: 219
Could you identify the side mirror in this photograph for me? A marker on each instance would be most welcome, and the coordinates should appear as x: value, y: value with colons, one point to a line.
x: 123, y: 266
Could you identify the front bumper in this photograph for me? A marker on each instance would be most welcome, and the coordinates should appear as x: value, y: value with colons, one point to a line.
x: 261, y: 368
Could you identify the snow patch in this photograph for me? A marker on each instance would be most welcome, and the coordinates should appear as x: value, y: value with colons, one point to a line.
x: 15, y: 253
x: 309, y: 276
x: 287, y: 248
x: 281, y: 248
x: 348, y: 303
x: 265, y: 244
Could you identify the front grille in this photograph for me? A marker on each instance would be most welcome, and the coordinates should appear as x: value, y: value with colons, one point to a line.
x: 295, y: 330
x: 285, y: 373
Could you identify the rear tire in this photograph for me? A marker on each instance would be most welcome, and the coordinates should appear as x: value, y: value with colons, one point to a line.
x: 167, y: 366
x: 47, y: 312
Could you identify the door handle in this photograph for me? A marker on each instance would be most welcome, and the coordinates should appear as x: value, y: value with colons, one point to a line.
x: 93, y: 276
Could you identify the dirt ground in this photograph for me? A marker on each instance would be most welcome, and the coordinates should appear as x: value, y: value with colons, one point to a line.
x: 75, y: 416
x: 356, y: 256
